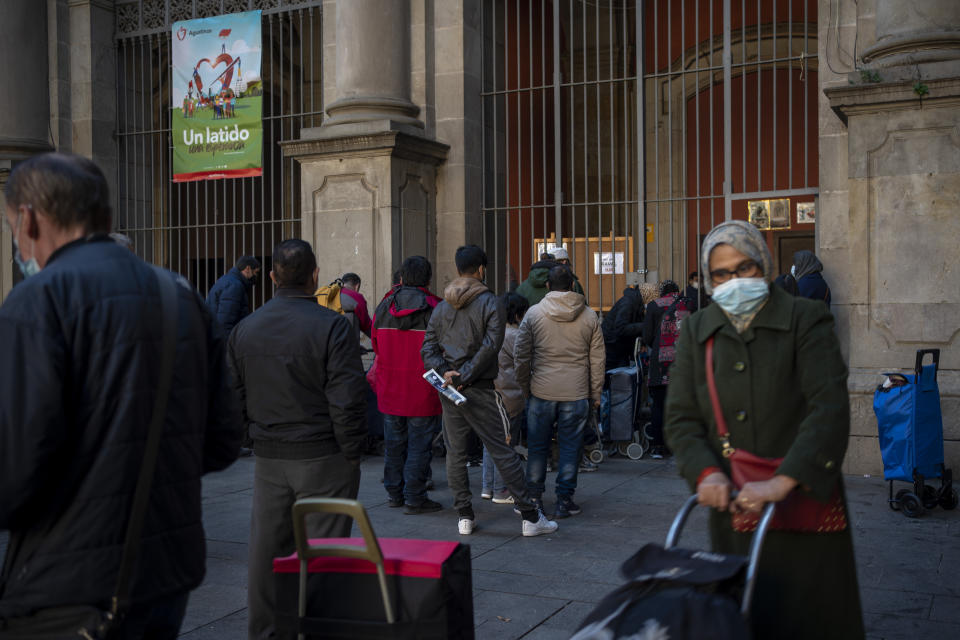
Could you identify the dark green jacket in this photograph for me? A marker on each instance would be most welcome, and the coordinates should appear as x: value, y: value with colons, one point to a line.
x: 534, y: 288
x: 782, y: 385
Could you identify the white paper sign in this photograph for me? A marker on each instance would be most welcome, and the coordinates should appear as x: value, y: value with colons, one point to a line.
x: 608, y: 263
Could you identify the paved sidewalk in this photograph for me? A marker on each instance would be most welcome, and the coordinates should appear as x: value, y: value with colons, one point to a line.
x: 540, y: 588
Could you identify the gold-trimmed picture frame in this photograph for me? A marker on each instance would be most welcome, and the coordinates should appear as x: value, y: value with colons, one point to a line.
x: 769, y: 214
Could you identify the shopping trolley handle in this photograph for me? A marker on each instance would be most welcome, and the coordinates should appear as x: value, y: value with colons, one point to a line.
x: 756, y: 544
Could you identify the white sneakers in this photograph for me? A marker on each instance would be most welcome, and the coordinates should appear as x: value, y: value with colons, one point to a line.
x: 466, y: 525
x: 539, y: 527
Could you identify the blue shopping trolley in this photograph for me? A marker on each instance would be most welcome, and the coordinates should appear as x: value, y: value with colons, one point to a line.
x: 910, y: 426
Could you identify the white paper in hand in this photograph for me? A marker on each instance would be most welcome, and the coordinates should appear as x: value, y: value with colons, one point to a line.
x: 436, y: 381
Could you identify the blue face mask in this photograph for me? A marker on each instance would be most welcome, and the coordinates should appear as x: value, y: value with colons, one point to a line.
x: 741, y: 296
x: 29, y: 268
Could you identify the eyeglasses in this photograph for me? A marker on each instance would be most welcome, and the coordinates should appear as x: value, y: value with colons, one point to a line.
x: 746, y: 269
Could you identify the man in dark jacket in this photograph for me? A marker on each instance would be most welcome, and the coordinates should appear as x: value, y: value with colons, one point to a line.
x: 81, y: 339
x: 621, y: 327
x: 410, y: 406
x: 229, y: 298
x: 297, y: 368
x: 462, y: 344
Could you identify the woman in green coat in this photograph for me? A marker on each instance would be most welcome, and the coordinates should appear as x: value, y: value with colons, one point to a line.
x: 782, y: 386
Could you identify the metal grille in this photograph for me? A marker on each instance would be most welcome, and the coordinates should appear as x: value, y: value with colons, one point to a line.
x: 200, y: 229
x: 560, y: 128
x: 726, y: 113
x: 731, y: 116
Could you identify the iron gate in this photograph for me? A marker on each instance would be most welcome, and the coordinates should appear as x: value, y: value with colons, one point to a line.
x: 630, y: 176
x: 199, y: 229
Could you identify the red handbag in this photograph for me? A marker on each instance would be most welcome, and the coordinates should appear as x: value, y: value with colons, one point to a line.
x: 798, y: 511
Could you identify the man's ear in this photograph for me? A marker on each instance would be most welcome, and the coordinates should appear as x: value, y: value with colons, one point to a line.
x: 316, y: 278
x: 30, y: 225
x: 273, y: 278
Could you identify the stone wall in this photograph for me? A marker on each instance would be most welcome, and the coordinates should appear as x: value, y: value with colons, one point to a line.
x: 887, y: 223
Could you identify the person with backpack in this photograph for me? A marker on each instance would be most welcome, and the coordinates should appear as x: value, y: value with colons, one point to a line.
x: 661, y: 328
x: 354, y: 305
x: 410, y: 406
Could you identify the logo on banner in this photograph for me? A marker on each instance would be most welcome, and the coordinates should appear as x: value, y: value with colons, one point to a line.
x: 217, y: 98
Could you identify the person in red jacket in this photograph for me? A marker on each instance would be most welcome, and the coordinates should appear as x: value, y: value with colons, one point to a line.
x: 410, y: 406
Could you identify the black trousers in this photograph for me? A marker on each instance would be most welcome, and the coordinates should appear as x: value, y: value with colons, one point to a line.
x: 277, y: 485
x: 658, y: 398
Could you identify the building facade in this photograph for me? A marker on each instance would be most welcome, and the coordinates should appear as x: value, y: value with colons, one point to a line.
x: 621, y: 129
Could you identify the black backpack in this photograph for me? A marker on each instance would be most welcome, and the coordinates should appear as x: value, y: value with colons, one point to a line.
x: 680, y: 594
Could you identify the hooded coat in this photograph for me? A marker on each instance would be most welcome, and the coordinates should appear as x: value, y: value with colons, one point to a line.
x: 559, y: 353
x: 534, y: 288
x: 808, y: 271
x: 399, y: 325
x: 465, y: 333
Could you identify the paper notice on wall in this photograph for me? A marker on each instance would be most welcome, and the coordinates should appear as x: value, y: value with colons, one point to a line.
x: 216, y: 94
x: 608, y: 263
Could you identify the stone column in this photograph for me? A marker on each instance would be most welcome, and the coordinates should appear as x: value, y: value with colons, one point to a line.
x: 889, y: 194
x: 373, y: 66
x: 915, y: 32
x: 93, y: 85
x: 24, y: 102
x: 369, y: 174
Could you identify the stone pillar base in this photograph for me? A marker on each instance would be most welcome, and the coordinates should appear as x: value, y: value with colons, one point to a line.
x: 368, y: 199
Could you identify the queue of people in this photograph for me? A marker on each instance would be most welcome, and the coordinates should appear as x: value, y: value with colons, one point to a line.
x: 751, y: 369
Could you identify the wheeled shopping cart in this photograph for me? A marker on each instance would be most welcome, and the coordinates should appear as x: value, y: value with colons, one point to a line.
x: 680, y: 593
x: 910, y: 426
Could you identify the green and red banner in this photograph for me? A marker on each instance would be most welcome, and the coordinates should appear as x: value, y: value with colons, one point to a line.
x: 217, y: 95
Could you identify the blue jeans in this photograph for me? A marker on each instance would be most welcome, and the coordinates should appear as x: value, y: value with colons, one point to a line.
x: 570, y: 418
x: 407, y: 452
x: 491, y: 478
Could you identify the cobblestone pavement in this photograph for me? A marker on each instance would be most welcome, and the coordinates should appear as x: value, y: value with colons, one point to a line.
x: 542, y: 587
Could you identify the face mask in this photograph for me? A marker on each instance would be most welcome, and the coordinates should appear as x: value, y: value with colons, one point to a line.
x: 740, y: 296
x: 31, y: 267
x: 793, y: 271
x: 695, y: 284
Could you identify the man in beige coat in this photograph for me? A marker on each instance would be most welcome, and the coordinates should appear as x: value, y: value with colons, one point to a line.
x: 560, y: 361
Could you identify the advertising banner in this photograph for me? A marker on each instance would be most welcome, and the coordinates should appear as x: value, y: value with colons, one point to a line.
x: 217, y: 94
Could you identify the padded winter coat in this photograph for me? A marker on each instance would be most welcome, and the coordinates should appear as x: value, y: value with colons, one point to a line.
x: 81, y: 344
x: 399, y: 324
x: 229, y: 300
x: 559, y: 353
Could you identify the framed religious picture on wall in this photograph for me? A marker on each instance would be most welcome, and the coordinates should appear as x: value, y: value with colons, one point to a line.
x: 806, y: 212
x: 759, y: 213
x: 779, y: 213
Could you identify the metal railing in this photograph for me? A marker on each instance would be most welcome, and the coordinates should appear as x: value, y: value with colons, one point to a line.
x: 200, y: 229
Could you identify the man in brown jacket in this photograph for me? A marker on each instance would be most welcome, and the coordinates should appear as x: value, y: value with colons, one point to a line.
x: 560, y: 362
